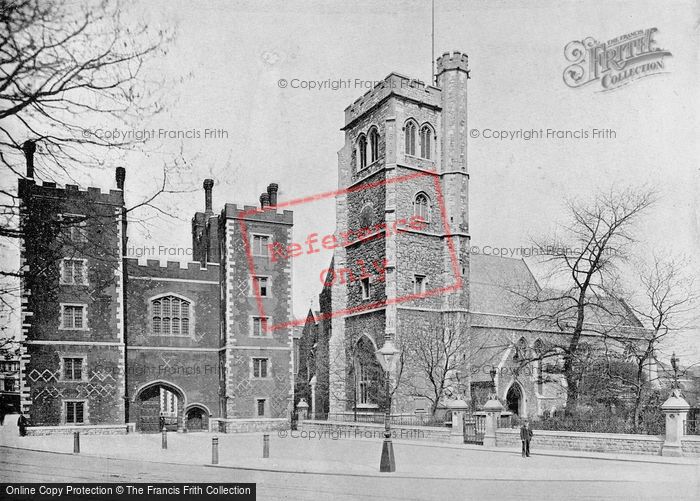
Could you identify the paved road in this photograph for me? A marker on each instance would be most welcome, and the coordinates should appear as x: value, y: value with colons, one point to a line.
x: 635, y: 480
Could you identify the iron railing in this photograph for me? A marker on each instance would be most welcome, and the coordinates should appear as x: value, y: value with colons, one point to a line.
x: 597, y: 425
x: 691, y: 427
x: 378, y: 418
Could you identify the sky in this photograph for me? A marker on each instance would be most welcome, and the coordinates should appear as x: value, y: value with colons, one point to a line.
x: 228, y: 59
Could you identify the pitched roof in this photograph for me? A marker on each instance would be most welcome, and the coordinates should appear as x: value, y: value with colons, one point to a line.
x: 502, y: 286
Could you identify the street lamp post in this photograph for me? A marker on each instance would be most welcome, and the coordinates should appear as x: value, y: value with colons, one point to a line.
x: 387, y: 356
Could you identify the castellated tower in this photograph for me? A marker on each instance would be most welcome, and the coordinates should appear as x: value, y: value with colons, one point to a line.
x: 404, y: 166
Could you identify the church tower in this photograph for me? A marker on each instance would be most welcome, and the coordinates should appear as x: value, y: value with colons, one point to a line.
x: 403, y: 213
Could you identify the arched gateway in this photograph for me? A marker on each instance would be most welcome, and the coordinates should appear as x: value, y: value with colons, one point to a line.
x: 159, y: 402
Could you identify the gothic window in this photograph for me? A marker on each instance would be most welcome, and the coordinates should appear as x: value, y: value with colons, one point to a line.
x: 364, y: 384
x: 426, y: 134
x: 366, y: 217
x: 170, y: 316
x: 520, y: 350
x: 421, y: 207
x: 539, y: 350
x: 362, y: 151
x: 373, y: 144
x: 366, y: 373
x: 410, y: 137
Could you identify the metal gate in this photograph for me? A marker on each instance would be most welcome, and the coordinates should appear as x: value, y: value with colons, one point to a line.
x: 474, y: 429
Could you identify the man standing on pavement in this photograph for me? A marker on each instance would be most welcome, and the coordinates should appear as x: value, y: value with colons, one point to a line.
x: 525, y: 437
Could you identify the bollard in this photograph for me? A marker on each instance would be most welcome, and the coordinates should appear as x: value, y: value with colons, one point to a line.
x: 215, y: 450
x: 164, y: 438
x: 266, y: 446
x: 76, y: 442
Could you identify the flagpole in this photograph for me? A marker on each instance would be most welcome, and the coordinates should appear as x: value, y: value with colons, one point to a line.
x: 432, y: 43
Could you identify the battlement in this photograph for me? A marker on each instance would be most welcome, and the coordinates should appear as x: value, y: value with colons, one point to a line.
x: 155, y: 269
x: 393, y: 85
x: 452, y: 61
x: 28, y: 187
x: 252, y: 213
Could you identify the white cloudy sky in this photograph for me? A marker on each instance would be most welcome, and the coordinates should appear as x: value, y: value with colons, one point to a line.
x: 234, y: 53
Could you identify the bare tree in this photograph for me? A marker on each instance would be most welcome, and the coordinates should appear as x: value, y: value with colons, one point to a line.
x: 65, y: 67
x: 434, y: 356
x: 586, y: 257
x: 668, y: 297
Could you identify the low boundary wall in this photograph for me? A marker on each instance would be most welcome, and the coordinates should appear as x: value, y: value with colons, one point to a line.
x: 98, y: 429
x: 247, y: 425
x: 584, y: 441
x: 352, y: 430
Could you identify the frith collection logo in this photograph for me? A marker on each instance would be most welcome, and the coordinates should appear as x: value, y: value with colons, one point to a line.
x: 616, y: 62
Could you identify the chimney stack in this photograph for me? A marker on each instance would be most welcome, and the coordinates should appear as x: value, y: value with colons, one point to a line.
x: 121, y: 176
x: 272, y: 193
x: 208, y: 185
x: 264, y: 200
x: 29, y: 147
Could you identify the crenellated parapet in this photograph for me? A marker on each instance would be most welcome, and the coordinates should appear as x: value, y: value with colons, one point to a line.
x: 155, y: 269
x: 28, y: 187
x: 393, y: 85
x: 452, y: 61
x: 267, y: 214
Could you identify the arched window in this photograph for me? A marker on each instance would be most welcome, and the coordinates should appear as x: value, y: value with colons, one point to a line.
x: 410, y: 137
x: 366, y: 218
x: 421, y: 207
x: 520, y: 350
x: 366, y: 373
x: 373, y: 144
x: 426, y: 141
x: 170, y: 316
x: 539, y: 348
x: 362, y: 151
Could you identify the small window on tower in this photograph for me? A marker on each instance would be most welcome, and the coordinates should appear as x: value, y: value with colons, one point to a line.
x: 374, y: 144
x: 410, y: 137
x: 260, y: 286
x: 421, y: 207
x: 260, y: 407
x: 418, y: 284
x: 260, y: 245
x: 364, y: 283
x: 362, y: 151
x: 426, y: 134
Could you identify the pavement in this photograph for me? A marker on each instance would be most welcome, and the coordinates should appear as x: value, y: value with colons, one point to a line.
x: 335, y: 463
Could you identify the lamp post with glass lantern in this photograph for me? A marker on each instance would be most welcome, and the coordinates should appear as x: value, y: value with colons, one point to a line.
x: 387, y: 357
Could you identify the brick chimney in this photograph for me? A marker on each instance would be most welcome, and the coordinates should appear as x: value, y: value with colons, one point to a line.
x: 272, y: 193
x: 208, y: 185
x: 29, y: 147
x: 121, y: 176
x: 264, y: 200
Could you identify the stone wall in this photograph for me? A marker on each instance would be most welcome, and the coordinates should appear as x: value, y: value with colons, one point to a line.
x: 117, y: 429
x: 350, y: 430
x: 590, y: 442
x: 248, y: 425
x: 691, y: 445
